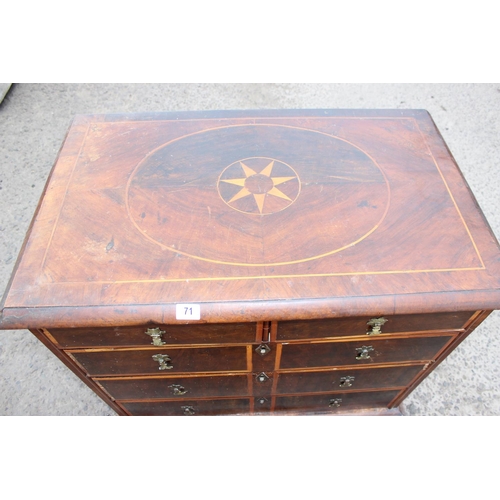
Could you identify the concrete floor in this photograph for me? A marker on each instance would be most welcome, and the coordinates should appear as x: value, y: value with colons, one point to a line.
x: 34, y: 119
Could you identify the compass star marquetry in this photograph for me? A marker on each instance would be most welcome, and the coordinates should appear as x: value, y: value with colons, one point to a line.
x: 259, y: 183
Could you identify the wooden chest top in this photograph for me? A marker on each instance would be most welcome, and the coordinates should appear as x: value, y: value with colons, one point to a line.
x: 252, y: 215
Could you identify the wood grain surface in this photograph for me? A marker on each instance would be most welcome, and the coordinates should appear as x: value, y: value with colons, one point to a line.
x: 252, y: 215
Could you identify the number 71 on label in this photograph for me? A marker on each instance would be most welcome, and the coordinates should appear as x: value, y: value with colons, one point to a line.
x: 187, y: 311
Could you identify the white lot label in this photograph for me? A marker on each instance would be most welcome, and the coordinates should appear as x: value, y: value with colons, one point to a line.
x: 187, y: 311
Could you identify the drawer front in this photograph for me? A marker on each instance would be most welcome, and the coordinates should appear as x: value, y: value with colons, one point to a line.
x: 362, y: 352
x: 189, y: 407
x: 338, y: 380
x: 336, y: 402
x: 341, y: 327
x: 177, y: 387
x: 172, y: 334
x: 162, y: 360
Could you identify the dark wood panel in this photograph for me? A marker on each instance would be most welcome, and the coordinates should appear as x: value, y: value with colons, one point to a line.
x: 262, y: 404
x: 221, y: 333
x: 189, y: 407
x: 263, y: 357
x: 293, y: 330
x: 380, y: 350
x: 322, y: 402
x: 128, y: 362
x: 338, y: 380
x: 262, y: 383
x: 177, y: 387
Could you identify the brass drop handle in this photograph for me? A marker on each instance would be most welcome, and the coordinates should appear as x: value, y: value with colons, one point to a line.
x: 177, y: 390
x: 376, y: 326
x: 364, y: 352
x: 346, y: 381
x: 164, y: 361
x: 335, y: 403
x: 262, y: 377
x: 155, y: 334
x: 188, y: 410
x: 262, y: 401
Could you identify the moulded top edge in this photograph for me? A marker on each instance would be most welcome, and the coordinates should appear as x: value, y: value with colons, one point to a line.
x: 249, y: 311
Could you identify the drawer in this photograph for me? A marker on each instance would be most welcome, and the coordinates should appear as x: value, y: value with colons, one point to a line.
x: 340, y: 327
x: 162, y: 360
x: 336, y: 402
x: 221, y: 333
x: 354, y: 379
x: 361, y: 352
x: 176, y: 387
x: 189, y: 407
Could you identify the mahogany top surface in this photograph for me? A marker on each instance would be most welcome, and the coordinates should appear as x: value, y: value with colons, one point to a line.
x: 342, y: 212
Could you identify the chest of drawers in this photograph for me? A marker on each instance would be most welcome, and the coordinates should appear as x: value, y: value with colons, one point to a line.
x: 271, y: 262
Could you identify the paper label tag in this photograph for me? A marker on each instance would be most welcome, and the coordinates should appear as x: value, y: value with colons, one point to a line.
x: 187, y: 311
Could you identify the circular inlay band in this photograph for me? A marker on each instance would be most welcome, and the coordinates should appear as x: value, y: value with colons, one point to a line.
x: 257, y: 195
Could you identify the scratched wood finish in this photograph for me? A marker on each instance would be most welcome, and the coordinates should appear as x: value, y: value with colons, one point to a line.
x: 354, y: 379
x: 189, y: 407
x: 173, y: 334
x: 345, y: 213
x: 336, y: 402
x: 292, y: 330
x: 130, y: 362
x: 177, y: 387
x: 381, y: 350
